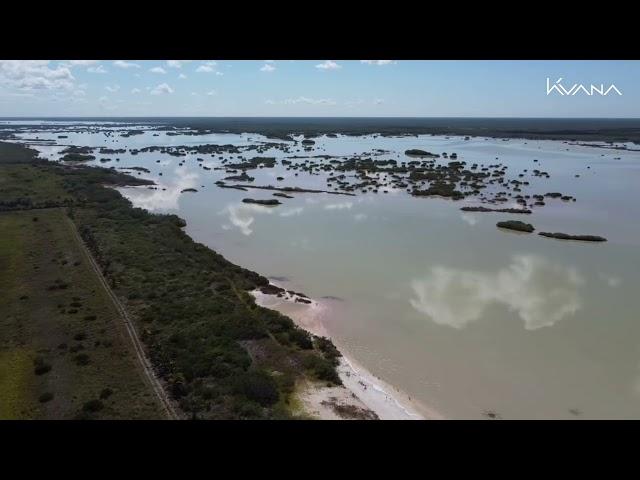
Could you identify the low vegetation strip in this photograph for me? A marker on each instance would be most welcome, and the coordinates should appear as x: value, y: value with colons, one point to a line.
x: 158, y: 389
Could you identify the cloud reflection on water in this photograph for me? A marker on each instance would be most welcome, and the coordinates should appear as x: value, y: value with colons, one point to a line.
x: 540, y: 292
x: 470, y: 219
x: 291, y: 212
x: 339, y: 206
x: 241, y: 215
x: 611, y: 280
x: 162, y: 200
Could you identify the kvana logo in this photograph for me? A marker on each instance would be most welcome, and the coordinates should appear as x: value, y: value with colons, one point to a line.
x: 580, y: 88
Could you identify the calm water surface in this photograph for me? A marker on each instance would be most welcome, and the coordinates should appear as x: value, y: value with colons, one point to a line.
x: 438, y: 302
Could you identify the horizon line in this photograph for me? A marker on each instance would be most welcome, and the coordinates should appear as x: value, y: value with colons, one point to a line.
x: 325, y: 116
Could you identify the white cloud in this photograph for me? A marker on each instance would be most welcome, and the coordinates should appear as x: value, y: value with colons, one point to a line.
x: 106, y: 104
x: 378, y: 62
x: 378, y: 101
x: 267, y: 67
x: 212, y: 93
x: 311, y: 101
x: 125, y: 64
x: 17, y: 95
x: 161, y: 89
x: 540, y: 292
x: 113, y: 89
x: 182, y: 76
x: 303, y: 100
x: 98, y: 69
x: 81, y: 63
x: 207, y: 67
x: 176, y: 63
x: 135, y: 90
x: 35, y: 75
x: 328, y: 65
x: 79, y: 96
x: 157, y: 70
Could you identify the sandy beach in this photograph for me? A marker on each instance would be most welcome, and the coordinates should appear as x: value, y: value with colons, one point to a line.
x: 363, y: 396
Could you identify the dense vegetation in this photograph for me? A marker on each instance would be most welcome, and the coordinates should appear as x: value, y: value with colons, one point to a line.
x: 221, y: 355
x: 14, y: 153
x: 281, y: 128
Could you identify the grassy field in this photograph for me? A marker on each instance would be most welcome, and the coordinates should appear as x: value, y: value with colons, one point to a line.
x: 30, y: 186
x: 63, y: 350
x: 59, y: 332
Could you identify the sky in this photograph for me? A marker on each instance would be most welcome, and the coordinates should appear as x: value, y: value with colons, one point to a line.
x: 324, y: 88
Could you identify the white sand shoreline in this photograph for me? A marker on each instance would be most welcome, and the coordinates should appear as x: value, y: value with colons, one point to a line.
x: 366, y: 390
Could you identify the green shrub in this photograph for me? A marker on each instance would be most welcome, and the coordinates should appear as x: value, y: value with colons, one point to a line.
x: 301, y: 338
x: 105, y: 393
x: 258, y: 386
x: 45, y: 397
x: 322, y: 368
x: 93, y: 406
x: 40, y: 366
x: 82, y: 359
x: 328, y: 349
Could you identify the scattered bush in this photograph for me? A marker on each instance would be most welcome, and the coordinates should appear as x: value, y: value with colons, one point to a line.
x: 322, y: 368
x: 41, y: 367
x: 105, y: 393
x: 301, y: 338
x: 82, y: 359
x: 258, y: 386
x: 93, y: 406
x: 45, y: 397
x: 328, y: 349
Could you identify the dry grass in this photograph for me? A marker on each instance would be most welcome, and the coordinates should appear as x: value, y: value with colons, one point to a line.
x: 53, y: 310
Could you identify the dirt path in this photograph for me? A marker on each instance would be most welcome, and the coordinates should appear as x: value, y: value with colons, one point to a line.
x: 164, y: 400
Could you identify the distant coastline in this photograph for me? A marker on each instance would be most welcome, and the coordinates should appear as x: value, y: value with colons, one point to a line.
x: 583, y: 129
